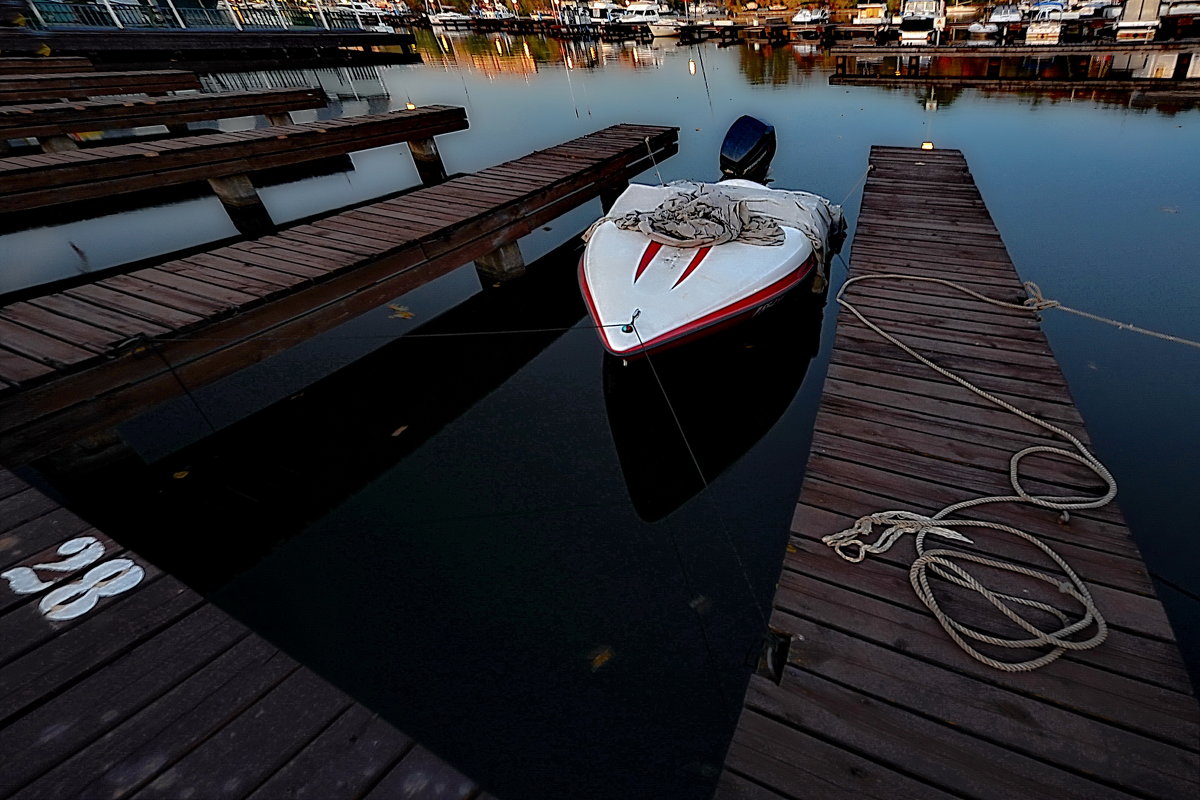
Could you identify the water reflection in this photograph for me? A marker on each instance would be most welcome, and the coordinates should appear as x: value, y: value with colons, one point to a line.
x: 683, y: 418
x: 239, y: 493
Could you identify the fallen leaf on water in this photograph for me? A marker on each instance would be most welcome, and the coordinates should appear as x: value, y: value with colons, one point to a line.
x: 183, y: 473
x: 399, y: 430
x: 601, y: 657
x: 401, y: 312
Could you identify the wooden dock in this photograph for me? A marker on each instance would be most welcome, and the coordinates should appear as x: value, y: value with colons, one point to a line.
x: 37, y: 87
x: 42, y: 120
x: 81, y: 359
x: 875, y: 700
x: 133, y: 46
x: 117, y: 680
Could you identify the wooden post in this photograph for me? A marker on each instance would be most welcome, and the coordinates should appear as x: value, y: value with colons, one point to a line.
x: 243, y: 204
x: 428, y: 160
x: 58, y: 144
x: 609, y: 195
x: 502, y: 264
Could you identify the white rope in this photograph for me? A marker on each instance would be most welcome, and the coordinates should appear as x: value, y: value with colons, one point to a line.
x: 1038, y: 302
x: 852, y: 544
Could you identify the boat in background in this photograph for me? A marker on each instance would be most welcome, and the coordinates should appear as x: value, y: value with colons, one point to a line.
x: 1005, y: 15
x: 672, y: 263
x: 811, y: 16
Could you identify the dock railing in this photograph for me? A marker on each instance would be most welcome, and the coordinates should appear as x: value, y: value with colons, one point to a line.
x: 166, y: 15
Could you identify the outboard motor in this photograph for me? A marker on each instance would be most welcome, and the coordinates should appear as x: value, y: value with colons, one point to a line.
x: 747, y: 150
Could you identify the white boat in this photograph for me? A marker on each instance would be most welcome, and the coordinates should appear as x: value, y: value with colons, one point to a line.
x: 1005, y: 15
x: 811, y: 16
x: 664, y: 28
x: 1045, y: 31
x: 982, y: 30
x: 448, y: 18
x: 641, y: 13
x: 672, y: 263
x: 919, y: 20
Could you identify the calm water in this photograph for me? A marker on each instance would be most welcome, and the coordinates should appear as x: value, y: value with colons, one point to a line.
x: 444, y: 527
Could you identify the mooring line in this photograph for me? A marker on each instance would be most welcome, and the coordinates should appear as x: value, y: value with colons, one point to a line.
x: 852, y: 545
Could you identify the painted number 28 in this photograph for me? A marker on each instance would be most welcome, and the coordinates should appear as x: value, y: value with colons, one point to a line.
x: 78, y: 597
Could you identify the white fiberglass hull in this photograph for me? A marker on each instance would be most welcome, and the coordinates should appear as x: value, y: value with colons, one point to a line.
x: 643, y: 295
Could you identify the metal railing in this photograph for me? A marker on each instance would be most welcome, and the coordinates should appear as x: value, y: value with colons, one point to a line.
x: 165, y: 15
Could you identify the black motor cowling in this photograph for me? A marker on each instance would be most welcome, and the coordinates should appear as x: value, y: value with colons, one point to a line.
x: 747, y: 150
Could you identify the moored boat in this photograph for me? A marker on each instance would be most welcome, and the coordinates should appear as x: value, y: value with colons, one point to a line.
x: 671, y: 263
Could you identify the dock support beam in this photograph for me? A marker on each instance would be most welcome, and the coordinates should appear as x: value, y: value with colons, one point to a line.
x: 243, y: 204
x: 502, y: 264
x: 428, y: 160
x: 609, y: 195
x: 58, y: 144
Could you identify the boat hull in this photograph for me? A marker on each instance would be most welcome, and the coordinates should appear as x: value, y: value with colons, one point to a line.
x: 644, y: 296
x: 703, y: 326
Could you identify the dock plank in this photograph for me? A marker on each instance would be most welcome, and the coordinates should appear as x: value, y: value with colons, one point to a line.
x: 202, y: 326
x: 81, y: 85
x: 156, y: 693
x: 871, y: 672
x: 37, y: 120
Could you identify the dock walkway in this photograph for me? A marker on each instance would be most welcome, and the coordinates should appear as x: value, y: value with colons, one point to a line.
x: 117, y: 680
x: 52, y: 86
x: 78, y: 360
x: 41, y: 120
x: 875, y: 699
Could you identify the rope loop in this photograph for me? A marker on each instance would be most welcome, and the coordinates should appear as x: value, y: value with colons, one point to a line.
x: 853, y: 543
x: 1037, y: 301
x: 898, y: 524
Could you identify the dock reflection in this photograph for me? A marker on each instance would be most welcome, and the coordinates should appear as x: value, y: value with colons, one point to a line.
x: 719, y: 396
x: 231, y: 498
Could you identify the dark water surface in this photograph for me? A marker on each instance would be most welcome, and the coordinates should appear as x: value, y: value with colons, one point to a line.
x: 445, y: 528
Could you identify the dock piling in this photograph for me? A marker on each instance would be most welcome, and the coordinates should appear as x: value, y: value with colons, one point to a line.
x: 428, y: 160
x: 502, y: 264
x: 242, y: 202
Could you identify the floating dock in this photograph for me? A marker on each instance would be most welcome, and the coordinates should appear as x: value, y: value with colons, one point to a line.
x: 115, y: 678
x: 151, y: 690
x: 875, y: 700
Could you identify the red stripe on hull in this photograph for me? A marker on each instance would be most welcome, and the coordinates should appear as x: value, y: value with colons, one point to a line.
x: 709, y: 323
x: 648, y: 256
x: 696, y: 259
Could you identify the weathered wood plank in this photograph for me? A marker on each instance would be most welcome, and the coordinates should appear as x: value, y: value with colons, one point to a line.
x: 155, y: 693
x: 59, y: 119
x: 79, y: 85
x: 38, y: 181
x: 355, y: 259
x: 871, y: 671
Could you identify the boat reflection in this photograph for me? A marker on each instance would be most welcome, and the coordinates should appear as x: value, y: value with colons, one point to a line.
x: 719, y: 396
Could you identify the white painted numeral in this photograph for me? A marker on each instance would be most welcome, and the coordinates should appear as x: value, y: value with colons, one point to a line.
x: 77, y: 598
x: 80, y: 597
x: 23, y: 580
x: 81, y: 551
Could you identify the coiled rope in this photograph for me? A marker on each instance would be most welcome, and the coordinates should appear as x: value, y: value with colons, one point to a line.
x: 852, y: 544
